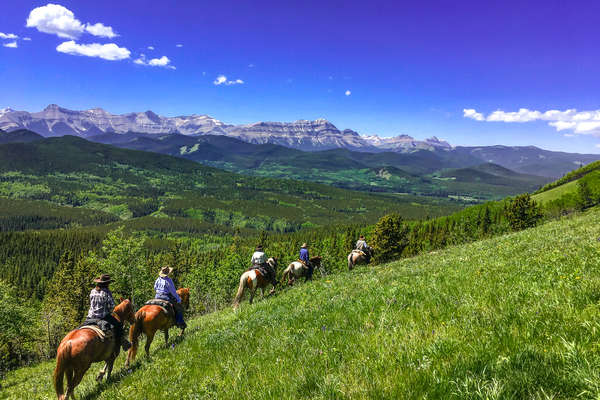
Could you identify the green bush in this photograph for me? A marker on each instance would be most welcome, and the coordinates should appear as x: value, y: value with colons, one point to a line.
x: 390, y: 238
x: 522, y: 212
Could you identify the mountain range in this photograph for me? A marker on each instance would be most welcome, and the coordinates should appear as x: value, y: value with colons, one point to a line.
x: 314, y: 135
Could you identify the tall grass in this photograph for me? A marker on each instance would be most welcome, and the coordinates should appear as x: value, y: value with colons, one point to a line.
x: 512, y: 317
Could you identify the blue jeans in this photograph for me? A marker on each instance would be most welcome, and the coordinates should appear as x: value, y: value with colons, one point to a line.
x: 176, y: 306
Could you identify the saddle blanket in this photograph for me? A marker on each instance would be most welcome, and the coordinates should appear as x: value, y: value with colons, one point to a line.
x: 360, y: 252
x: 166, y: 306
x: 103, y: 328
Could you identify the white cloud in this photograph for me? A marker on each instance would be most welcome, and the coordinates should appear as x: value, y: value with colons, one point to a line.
x: 178, y: 45
x: 598, y: 145
x: 99, y: 29
x: 222, y: 80
x: 8, y: 36
x: 347, y: 93
x: 150, y: 47
x: 12, y: 45
x: 109, y: 51
x: 60, y: 21
x: 164, y: 61
x: 577, y: 122
x: 471, y: 113
x: 250, y: 65
x: 55, y: 19
x: 27, y: 38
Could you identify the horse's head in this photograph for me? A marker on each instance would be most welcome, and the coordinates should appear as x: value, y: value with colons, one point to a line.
x: 184, y: 293
x: 272, y: 262
x: 316, y: 261
x: 125, y: 311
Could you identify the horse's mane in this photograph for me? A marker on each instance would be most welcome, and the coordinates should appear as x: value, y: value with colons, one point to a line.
x: 317, y: 258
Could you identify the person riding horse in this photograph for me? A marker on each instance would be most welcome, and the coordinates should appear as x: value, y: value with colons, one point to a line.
x: 305, y: 258
x: 101, y: 308
x: 259, y: 261
x: 362, y: 245
x: 165, y: 290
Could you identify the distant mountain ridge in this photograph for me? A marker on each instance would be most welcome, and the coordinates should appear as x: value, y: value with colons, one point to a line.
x: 306, y: 135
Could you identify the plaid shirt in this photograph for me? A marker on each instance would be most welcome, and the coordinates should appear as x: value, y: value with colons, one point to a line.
x: 101, y: 303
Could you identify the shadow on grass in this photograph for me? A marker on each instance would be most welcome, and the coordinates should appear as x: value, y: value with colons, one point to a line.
x: 114, y: 378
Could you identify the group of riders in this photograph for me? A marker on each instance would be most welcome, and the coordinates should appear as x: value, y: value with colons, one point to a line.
x: 102, y: 302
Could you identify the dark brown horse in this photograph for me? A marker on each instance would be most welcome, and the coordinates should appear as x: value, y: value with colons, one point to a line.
x: 82, y: 347
x: 253, y: 279
x: 296, y: 270
x: 148, y: 320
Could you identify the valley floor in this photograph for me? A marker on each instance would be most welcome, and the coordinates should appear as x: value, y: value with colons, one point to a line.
x: 513, y: 317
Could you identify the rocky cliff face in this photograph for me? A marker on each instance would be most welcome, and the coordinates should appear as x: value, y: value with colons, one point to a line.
x: 305, y: 135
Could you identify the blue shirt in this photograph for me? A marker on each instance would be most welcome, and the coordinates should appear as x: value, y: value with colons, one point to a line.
x: 166, y: 287
x: 304, y: 255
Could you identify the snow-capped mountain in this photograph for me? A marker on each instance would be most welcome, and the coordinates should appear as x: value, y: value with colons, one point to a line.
x: 319, y: 134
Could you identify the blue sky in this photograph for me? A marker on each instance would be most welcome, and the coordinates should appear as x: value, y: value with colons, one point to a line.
x: 382, y: 67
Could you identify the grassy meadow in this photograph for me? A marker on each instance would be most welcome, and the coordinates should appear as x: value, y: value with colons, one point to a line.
x: 512, y: 317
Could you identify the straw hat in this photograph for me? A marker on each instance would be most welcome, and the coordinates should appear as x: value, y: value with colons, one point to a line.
x: 304, y: 245
x: 259, y: 247
x: 165, y: 271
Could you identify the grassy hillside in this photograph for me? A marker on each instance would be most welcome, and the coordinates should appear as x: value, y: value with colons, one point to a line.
x: 556, y: 192
x: 512, y: 317
x: 70, y: 171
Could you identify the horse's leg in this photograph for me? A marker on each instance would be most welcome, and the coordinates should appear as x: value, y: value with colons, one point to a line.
x: 166, y: 334
x: 102, y: 372
x: 110, y: 363
x: 76, y: 377
x: 149, y: 339
x: 70, y: 386
x: 252, y: 291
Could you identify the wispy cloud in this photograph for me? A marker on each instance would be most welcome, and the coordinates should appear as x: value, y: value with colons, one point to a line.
x: 109, y: 51
x: 222, y: 80
x: 27, y: 39
x: 60, y: 21
x: 577, y: 122
x: 163, y: 61
x: 8, y: 36
x: 99, y: 29
x: 178, y: 45
x: 150, y: 47
x: 12, y: 45
x: 348, y: 93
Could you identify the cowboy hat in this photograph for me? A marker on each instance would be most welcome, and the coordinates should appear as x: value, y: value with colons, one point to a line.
x: 304, y: 245
x: 165, y: 271
x: 361, y: 237
x: 103, y: 279
x: 259, y: 247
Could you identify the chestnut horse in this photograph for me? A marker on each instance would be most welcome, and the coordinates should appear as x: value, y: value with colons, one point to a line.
x: 82, y: 347
x: 148, y: 320
x: 296, y: 270
x: 253, y: 279
x: 358, y: 257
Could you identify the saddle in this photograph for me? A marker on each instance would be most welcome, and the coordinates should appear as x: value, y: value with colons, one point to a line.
x: 362, y: 253
x: 166, y: 306
x: 303, y: 263
x: 103, y: 329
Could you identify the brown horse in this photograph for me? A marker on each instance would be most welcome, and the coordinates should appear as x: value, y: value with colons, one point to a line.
x: 82, y: 347
x: 296, y: 270
x: 148, y: 320
x: 253, y: 279
x: 358, y: 257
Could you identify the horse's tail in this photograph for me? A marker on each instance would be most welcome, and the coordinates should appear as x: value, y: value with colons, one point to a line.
x: 240, y: 292
x: 134, y: 335
x: 62, y: 358
x: 285, y: 276
x: 350, y: 263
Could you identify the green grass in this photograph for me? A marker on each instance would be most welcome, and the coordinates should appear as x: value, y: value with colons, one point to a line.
x: 513, y: 317
x: 555, y: 193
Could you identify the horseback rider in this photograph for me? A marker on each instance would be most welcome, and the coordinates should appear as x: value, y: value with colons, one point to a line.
x: 165, y: 290
x: 101, y: 307
x: 362, y: 245
x: 259, y: 261
x: 305, y: 258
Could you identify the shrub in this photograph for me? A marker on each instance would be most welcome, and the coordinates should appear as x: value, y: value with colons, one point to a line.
x: 390, y: 238
x: 522, y: 212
